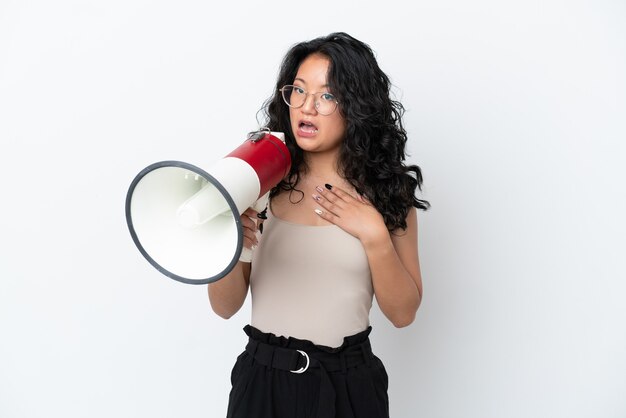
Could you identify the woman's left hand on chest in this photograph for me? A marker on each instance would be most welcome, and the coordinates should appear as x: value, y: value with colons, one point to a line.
x: 357, y: 216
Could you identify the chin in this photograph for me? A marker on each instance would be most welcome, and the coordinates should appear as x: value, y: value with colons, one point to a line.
x: 305, y: 145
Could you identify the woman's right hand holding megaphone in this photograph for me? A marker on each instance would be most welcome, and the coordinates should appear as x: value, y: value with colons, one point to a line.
x: 252, y: 223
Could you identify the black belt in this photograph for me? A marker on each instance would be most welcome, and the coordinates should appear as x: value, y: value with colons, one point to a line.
x: 299, y: 361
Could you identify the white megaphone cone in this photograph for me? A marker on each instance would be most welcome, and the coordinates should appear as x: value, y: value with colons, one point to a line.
x: 186, y: 221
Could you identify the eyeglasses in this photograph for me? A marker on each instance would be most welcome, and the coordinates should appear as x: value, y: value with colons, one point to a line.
x: 294, y: 96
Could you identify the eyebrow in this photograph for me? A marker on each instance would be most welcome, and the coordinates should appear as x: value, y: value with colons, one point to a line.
x: 299, y: 79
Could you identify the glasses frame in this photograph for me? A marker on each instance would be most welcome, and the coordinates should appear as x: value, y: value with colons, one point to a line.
x: 316, y: 99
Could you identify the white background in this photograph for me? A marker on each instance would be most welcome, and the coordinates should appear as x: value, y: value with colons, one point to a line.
x: 516, y: 114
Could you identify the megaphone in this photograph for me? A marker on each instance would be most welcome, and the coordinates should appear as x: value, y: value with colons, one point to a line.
x: 186, y: 221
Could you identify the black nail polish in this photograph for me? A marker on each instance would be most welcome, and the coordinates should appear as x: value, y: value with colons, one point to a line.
x: 261, y: 228
x: 328, y: 186
x: 263, y: 214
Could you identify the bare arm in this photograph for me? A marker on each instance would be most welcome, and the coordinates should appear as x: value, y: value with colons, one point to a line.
x: 394, y: 263
x: 228, y: 294
x: 393, y: 258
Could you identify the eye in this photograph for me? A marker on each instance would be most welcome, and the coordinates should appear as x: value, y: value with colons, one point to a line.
x: 298, y: 90
x: 327, y: 97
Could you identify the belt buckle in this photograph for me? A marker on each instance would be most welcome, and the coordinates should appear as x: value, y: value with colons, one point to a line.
x: 306, y: 366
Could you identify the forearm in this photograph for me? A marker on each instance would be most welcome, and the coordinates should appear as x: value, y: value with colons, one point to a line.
x: 228, y: 294
x: 397, y: 292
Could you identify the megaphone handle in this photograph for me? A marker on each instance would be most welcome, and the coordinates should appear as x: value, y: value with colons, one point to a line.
x: 260, y: 205
x: 246, y: 255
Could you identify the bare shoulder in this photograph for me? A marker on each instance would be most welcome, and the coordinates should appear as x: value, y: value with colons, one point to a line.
x: 279, y: 204
x: 404, y: 236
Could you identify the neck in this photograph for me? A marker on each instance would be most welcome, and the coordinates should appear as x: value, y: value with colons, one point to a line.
x: 322, y: 165
x: 322, y: 169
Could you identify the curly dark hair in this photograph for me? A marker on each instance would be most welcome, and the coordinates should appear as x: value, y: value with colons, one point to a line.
x: 371, y: 156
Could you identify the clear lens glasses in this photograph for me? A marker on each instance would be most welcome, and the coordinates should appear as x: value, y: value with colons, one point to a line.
x: 294, y: 96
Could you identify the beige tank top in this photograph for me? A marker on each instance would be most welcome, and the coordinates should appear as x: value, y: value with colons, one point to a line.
x: 310, y: 282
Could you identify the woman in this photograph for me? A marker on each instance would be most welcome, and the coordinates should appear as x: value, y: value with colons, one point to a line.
x: 341, y: 228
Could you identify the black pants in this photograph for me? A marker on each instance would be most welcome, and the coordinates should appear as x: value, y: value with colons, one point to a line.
x: 278, y: 377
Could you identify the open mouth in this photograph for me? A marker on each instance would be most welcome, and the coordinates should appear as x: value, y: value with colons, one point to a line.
x: 307, y: 127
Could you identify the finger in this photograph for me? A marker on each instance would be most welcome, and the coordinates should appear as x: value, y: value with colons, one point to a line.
x: 251, y: 213
x: 328, y: 194
x: 248, y: 222
x: 339, y: 194
x: 329, y: 216
x: 249, y: 239
x: 342, y: 194
x: 327, y: 204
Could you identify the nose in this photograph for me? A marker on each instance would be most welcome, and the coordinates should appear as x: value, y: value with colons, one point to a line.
x: 309, y: 106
